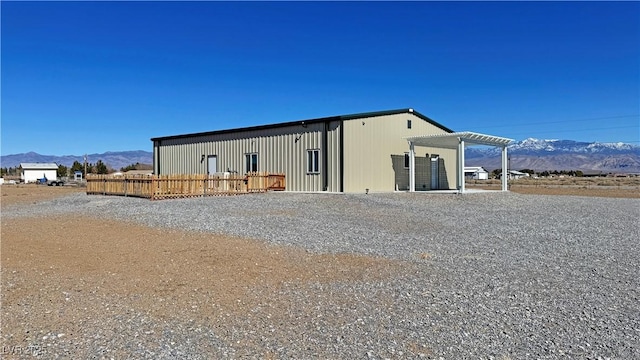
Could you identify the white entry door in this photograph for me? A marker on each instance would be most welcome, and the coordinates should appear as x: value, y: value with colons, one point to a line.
x: 212, y: 164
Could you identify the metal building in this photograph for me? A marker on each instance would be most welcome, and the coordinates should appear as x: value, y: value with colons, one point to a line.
x: 349, y: 153
x: 31, y: 172
x: 476, y: 173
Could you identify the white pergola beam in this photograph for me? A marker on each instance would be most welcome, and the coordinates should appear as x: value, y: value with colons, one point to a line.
x: 450, y: 140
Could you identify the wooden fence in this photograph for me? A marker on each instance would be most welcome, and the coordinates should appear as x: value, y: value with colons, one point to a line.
x: 157, y: 187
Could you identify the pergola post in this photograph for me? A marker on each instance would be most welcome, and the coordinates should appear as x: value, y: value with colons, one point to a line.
x: 461, y: 165
x: 412, y: 167
x: 505, y: 170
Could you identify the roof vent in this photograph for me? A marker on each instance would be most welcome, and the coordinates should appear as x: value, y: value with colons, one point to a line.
x: 410, y: 110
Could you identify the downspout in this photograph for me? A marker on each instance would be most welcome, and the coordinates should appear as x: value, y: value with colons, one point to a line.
x: 341, y: 155
x: 156, y: 157
x: 325, y: 157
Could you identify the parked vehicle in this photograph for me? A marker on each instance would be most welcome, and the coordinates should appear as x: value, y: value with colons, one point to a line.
x: 56, y: 183
x: 44, y: 180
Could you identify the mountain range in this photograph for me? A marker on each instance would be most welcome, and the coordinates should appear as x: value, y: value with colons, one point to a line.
x: 541, y: 155
x: 534, y: 154
x: 113, y: 159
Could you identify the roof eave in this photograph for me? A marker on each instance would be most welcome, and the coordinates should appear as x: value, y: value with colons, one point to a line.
x: 307, y: 121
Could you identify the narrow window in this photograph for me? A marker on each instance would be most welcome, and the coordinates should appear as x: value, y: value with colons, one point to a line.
x: 313, y: 161
x: 408, y: 124
x: 251, y: 161
x: 406, y: 160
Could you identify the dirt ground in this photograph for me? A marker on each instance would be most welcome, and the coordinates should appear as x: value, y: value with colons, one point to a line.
x: 31, y: 193
x: 616, y: 187
x: 112, y: 243
x: 59, y: 270
x: 599, y: 192
x: 128, y: 259
x: 602, y: 191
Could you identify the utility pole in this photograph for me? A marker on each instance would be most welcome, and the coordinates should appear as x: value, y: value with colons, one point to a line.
x: 85, y: 165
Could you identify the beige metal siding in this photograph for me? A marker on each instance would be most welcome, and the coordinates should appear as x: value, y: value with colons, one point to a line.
x: 334, y: 156
x: 366, y: 150
x: 280, y: 150
x: 369, y: 146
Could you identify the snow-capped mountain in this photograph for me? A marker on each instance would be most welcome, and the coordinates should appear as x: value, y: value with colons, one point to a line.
x: 543, y: 155
x: 569, y: 146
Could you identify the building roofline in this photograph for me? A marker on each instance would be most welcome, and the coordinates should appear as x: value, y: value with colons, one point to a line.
x: 39, y: 166
x: 308, y: 121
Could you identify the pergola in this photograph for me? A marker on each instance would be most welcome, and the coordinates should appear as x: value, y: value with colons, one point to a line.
x: 457, y: 141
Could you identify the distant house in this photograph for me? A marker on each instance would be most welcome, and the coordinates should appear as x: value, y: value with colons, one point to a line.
x: 139, y: 172
x: 133, y: 172
x: 476, y: 173
x: 31, y: 172
x: 514, y: 175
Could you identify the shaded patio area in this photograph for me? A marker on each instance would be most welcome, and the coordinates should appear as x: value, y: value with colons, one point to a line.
x: 456, y: 141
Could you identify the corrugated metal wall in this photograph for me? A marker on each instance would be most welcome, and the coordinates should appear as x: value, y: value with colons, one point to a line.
x: 280, y: 150
x: 369, y: 146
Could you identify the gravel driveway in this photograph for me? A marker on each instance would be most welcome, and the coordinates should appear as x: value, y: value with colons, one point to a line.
x: 488, y: 275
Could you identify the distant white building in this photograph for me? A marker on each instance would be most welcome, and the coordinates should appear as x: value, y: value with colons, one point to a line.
x: 476, y: 173
x: 514, y: 175
x: 31, y: 172
x: 139, y: 172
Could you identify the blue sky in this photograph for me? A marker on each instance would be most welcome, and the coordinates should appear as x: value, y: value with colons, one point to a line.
x: 90, y: 77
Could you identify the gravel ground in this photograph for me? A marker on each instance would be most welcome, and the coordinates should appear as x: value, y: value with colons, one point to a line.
x: 488, y: 275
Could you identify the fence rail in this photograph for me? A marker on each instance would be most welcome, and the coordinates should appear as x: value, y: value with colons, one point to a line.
x: 157, y: 187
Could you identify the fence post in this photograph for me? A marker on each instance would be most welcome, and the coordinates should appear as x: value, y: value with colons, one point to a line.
x: 153, y: 187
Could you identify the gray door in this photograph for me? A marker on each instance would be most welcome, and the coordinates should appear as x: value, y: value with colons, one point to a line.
x: 212, y: 164
x: 435, y: 172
